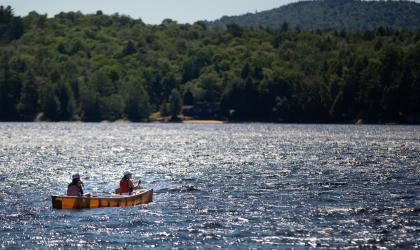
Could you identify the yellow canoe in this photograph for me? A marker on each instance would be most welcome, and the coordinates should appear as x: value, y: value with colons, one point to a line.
x: 74, y: 202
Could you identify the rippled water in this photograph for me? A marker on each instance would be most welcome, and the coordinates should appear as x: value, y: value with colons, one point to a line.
x: 228, y: 186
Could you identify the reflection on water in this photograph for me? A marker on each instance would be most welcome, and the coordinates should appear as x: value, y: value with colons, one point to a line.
x: 229, y: 186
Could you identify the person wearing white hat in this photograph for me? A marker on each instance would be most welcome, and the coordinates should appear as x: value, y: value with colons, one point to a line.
x: 126, y: 184
x: 75, y: 188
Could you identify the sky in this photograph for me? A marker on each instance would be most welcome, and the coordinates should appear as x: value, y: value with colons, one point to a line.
x: 150, y: 11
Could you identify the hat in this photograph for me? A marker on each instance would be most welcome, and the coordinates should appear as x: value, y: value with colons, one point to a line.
x: 127, y: 173
x: 75, y: 176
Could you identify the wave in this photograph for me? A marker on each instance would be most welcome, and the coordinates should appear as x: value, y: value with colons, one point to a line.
x: 183, y: 189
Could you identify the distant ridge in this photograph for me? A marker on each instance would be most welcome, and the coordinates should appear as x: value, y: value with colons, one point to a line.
x: 342, y: 14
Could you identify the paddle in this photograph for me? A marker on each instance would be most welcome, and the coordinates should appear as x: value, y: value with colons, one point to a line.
x: 138, y: 184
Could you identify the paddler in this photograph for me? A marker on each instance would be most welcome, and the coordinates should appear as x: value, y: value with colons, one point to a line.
x: 75, y: 188
x: 126, y: 184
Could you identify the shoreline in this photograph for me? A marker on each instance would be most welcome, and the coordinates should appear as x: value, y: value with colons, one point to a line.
x: 204, y: 122
x: 211, y: 122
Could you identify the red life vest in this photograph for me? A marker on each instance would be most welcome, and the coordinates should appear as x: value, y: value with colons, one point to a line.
x: 124, y: 186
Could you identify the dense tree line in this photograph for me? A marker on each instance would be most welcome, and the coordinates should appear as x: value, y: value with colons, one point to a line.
x: 341, y: 14
x: 98, y: 67
x: 11, y: 27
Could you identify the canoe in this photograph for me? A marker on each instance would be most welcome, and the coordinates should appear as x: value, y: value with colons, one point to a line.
x: 75, y: 202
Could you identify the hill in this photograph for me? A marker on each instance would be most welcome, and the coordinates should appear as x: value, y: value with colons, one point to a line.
x: 99, y: 67
x: 341, y: 14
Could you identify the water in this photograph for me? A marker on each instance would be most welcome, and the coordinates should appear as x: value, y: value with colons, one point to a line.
x: 216, y: 186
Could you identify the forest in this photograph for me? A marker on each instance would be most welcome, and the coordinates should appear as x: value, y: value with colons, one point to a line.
x: 339, y: 14
x: 96, y: 67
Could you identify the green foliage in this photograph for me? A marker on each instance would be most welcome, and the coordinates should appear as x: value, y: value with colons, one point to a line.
x: 50, y: 104
x: 27, y: 105
x: 67, y: 102
x: 234, y: 29
x: 99, y: 67
x: 175, y: 103
x: 11, y: 27
x: 10, y: 90
x: 339, y: 14
x: 111, y: 107
x: 137, y: 102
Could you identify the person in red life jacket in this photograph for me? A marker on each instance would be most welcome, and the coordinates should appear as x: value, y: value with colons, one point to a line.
x: 75, y: 188
x: 126, y: 184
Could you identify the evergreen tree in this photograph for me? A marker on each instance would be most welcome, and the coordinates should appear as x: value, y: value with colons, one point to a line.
x: 27, y: 106
x: 175, y: 103
x: 137, y: 106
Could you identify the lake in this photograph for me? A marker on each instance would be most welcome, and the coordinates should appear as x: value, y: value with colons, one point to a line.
x: 216, y: 186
